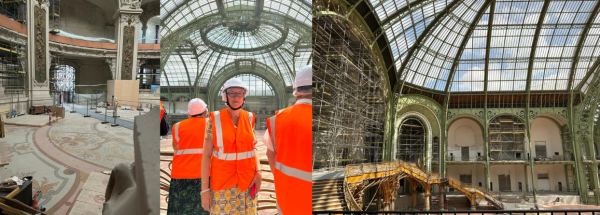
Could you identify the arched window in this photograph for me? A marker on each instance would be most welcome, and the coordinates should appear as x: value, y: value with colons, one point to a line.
x: 412, y: 138
x: 258, y: 86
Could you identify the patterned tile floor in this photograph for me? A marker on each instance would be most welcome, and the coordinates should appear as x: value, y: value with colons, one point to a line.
x: 166, y: 144
x: 62, y: 156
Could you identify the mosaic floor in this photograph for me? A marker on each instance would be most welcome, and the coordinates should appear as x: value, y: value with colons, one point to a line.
x: 166, y: 144
x: 62, y: 156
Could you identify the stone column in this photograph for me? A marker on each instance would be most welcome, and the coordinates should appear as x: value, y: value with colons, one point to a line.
x: 144, y: 28
x: 38, y: 54
x: 127, y: 20
x: 413, y: 188
x: 442, y: 208
x: 427, y: 197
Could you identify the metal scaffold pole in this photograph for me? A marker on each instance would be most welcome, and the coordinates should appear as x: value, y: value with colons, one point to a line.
x: 114, y: 114
x: 87, y: 107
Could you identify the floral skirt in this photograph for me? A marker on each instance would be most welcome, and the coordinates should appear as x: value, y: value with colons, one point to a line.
x: 232, y: 201
x: 184, y: 197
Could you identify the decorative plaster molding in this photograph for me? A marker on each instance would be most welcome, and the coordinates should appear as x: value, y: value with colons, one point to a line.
x: 133, y: 4
x: 149, y: 54
x: 11, y: 36
x: 43, y: 3
x: 81, y: 51
x: 40, y: 33
x: 129, y: 19
x: 150, y: 10
x: 112, y: 64
x: 139, y: 63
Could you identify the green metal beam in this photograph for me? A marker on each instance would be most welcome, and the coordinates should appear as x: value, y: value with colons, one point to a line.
x: 184, y: 3
x: 486, y: 143
x: 528, y: 90
x: 353, y: 8
x: 401, y: 11
x: 382, y: 29
x: 203, y: 67
x: 186, y: 72
x: 580, y: 43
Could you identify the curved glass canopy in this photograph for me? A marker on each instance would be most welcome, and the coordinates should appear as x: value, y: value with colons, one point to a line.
x: 210, y: 35
x: 452, y: 46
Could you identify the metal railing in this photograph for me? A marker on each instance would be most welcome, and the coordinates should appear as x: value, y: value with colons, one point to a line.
x: 482, y: 212
x: 470, y: 158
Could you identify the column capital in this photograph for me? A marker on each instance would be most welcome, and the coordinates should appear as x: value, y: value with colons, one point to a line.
x: 129, y: 19
x: 41, y: 3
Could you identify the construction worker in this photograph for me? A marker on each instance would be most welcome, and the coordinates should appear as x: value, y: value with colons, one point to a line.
x: 235, y: 175
x: 289, y: 149
x: 186, y: 180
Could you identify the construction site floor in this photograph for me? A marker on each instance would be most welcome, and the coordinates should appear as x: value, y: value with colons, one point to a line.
x: 62, y: 156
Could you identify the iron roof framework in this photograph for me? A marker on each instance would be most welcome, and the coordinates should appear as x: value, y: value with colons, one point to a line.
x: 201, y: 38
x: 451, y: 46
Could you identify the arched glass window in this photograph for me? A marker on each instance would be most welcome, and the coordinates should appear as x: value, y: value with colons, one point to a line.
x: 411, y: 140
x: 257, y: 85
x: 64, y: 78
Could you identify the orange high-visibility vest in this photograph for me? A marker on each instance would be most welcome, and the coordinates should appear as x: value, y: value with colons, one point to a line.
x: 233, y: 162
x: 189, y: 141
x: 277, y: 111
x: 291, y: 135
x: 162, y: 111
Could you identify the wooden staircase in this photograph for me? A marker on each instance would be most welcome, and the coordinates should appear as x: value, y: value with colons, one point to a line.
x: 328, y: 195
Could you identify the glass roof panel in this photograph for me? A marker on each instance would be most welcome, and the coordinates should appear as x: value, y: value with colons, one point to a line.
x: 243, y: 37
x: 512, y: 34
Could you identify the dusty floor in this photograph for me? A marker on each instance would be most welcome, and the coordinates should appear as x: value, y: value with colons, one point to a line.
x: 61, y: 157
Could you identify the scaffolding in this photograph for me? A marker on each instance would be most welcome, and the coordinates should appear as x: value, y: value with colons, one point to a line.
x: 11, y: 73
x: 348, y: 102
x: 13, y: 79
x: 14, y: 9
x: 507, y: 138
x: 54, y: 16
x: 411, y: 140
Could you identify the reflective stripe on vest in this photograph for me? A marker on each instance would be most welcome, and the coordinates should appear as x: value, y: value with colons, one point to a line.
x: 272, y: 125
x: 219, y: 131
x: 176, y: 135
x: 188, y: 151
x: 293, y: 172
x: 233, y: 156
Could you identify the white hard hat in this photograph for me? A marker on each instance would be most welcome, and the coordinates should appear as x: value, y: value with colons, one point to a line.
x: 234, y: 82
x: 303, y: 77
x: 196, y: 106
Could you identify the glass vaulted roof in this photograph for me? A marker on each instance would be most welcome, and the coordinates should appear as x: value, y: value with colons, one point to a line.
x: 442, y: 45
x: 272, y: 33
